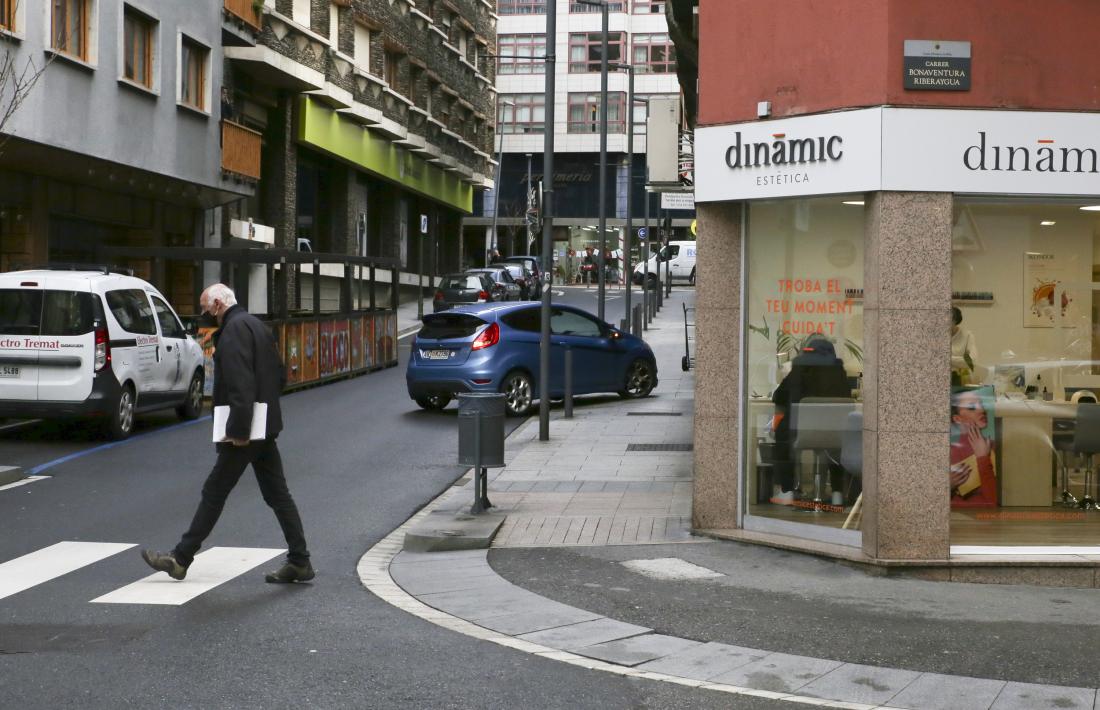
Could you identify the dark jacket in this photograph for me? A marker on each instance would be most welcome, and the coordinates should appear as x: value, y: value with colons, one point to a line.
x: 247, y: 369
x: 815, y: 372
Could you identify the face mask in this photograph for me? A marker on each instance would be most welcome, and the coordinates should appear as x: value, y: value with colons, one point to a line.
x: 207, y: 321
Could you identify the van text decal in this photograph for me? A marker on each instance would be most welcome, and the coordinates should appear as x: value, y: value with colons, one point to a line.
x: 30, y: 344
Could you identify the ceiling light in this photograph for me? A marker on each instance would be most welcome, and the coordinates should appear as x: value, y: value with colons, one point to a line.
x: 1091, y: 208
x: 1048, y: 223
x: 853, y: 202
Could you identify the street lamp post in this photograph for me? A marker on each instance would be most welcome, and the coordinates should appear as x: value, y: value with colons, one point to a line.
x: 602, y: 4
x: 496, y: 185
x: 547, y: 220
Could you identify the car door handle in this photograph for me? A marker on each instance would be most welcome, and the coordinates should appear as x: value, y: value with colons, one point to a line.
x: 168, y: 348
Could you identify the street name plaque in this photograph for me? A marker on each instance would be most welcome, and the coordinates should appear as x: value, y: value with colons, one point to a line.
x: 932, y: 65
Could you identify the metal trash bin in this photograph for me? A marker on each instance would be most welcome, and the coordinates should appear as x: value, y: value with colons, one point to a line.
x: 488, y: 409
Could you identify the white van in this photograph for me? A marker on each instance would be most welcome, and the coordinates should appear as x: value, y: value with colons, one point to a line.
x: 84, y: 343
x: 681, y: 262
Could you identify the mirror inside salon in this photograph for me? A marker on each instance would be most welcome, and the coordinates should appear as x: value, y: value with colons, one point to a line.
x: 1025, y: 361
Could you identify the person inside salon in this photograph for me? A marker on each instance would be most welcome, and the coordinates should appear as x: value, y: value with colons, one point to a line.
x: 815, y: 372
x: 964, y: 351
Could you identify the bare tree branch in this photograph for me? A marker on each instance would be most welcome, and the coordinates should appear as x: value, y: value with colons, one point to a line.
x: 17, y: 78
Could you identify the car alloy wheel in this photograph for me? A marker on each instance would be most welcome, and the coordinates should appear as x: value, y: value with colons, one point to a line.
x: 192, y: 406
x: 517, y: 393
x: 122, y: 421
x: 639, y: 379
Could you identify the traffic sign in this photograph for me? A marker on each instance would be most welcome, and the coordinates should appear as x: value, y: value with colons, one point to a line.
x: 641, y: 232
x: 423, y: 224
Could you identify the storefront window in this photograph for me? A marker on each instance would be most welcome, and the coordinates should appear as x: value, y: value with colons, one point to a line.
x: 1025, y: 374
x: 804, y: 360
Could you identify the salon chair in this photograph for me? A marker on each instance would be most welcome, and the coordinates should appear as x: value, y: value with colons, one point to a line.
x: 851, y: 457
x: 818, y: 423
x: 1086, y: 440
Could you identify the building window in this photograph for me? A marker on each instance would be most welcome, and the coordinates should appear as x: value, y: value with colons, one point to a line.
x: 582, y: 7
x: 7, y: 15
x: 585, y: 49
x: 334, y: 24
x: 300, y: 12
x: 653, y: 54
x: 803, y: 280
x: 521, y: 7
x: 584, y: 113
x: 137, y: 30
x: 70, y: 27
x: 648, y: 7
x: 521, y: 54
x: 363, y: 36
x: 522, y: 113
x: 193, y: 64
x: 391, y: 62
x: 1025, y: 278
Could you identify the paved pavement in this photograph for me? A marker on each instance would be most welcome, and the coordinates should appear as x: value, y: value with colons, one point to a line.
x: 597, y: 536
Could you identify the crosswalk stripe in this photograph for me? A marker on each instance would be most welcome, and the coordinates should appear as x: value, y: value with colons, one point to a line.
x: 53, y: 561
x: 211, y: 568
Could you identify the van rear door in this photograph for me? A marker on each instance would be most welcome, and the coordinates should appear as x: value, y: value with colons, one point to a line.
x: 20, y: 316
x: 66, y: 356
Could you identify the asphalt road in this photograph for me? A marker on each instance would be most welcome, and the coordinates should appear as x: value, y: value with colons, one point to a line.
x: 360, y: 459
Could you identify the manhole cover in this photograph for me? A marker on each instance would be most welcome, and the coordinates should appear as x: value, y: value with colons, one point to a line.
x: 659, y: 447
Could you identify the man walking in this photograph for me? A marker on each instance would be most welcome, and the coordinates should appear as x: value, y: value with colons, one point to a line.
x: 247, y: 370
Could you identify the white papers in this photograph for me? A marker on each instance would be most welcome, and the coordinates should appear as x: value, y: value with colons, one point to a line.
x: 259, y: 422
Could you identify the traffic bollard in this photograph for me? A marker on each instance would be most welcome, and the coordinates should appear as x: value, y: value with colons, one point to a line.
x: 636, y: 313
x: 568, y: 401
x: 481, y: 440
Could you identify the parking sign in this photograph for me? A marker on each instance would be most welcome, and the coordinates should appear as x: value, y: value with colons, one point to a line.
x: 423, y: 224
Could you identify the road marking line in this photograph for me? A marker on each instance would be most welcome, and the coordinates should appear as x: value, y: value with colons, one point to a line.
x: 216, y: 566
x: 54, y: 561
x: 23, y: 482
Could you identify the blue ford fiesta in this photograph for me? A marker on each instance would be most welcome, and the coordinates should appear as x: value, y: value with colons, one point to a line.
x: 495, y: 348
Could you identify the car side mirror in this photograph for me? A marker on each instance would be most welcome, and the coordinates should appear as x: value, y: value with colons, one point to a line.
x: 614, y: 334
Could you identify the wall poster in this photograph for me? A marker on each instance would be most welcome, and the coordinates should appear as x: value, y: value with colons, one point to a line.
x: 1043, y: 273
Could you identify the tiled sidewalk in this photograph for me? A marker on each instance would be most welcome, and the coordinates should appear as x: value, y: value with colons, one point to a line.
x: 585, y: 486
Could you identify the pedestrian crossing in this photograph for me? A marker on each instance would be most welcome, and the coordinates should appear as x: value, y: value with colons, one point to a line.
x: 210, y: 569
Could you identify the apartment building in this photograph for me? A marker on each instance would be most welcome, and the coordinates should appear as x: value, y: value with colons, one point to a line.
x: 117, y: 142
x: 337, y: 127
x: 638, y: 35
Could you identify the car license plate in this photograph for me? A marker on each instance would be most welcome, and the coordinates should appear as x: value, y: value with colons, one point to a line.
x: 9, y: 371
x: 436, y: 354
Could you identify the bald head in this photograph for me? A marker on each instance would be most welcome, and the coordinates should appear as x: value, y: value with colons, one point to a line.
x: 216, y: 300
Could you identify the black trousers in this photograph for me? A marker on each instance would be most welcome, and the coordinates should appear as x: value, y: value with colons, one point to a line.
x: 231, y: 463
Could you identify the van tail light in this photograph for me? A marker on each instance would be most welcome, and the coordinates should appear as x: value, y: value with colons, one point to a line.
x: 438, y: 296
x: 102, y: 348
x: 488, y: 338
x: 482, y: 296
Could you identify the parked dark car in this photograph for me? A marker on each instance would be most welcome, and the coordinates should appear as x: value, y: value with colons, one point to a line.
x: 533, y: 265
x: 495, y: 348
x: 505, y: 287
x: 522, y: 276
x: 455, y: 289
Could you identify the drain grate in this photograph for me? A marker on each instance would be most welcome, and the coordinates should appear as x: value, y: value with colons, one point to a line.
x: 654, y: 414
x: 659, y: 447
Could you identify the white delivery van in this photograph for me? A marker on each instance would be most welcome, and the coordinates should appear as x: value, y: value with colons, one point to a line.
x: 96, y: 344
x: 681, y: 263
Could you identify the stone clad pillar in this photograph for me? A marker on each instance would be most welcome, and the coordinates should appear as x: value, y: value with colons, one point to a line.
x: 717, y: 365
x: 906, y: 382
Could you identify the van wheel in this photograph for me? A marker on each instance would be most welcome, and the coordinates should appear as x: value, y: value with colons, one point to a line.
x: 121, y: 422
x: 691, y: 279
x: 192, y: 406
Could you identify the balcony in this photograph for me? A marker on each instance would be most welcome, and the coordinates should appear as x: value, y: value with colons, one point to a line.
x: 240, y: 150
x: 244, y: 11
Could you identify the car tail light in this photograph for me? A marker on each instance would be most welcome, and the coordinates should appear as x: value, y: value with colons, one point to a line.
x: 482, y: 296
x: 102, y: 348
x: 488, y: 338
x: 438, y: 295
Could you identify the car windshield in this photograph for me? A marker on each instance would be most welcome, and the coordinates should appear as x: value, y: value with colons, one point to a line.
x: 516, y: 270
x: 445, y: 326
x: 461, y: 281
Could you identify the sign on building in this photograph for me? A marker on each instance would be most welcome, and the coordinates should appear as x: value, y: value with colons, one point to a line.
x: 662, y: 145
x: 932, y: 65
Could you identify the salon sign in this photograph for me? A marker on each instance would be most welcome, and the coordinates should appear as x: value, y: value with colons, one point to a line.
x: 917, y: 150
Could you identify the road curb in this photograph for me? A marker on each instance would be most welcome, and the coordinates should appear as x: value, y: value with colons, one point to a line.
x: 11, y: 474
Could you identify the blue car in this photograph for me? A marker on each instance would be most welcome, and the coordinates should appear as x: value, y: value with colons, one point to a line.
x: 495, y: 348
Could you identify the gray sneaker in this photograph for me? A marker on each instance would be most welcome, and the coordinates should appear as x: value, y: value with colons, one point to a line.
x: 290, y: 573
x: 162, y: 562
